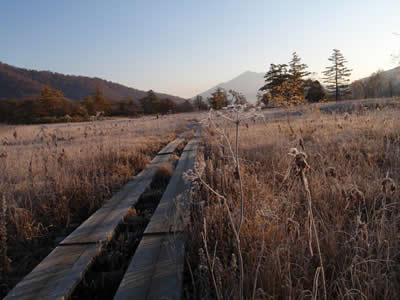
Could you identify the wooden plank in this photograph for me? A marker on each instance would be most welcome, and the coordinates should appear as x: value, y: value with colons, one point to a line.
x: 171, y: 213
x: 193, y: 143
x: 60, y: 272
x: 172, y: 146
x: 137, y: 279
x: 101, y: 225
x: 57, y: 275
x: 155, y: 271
x: 167, y: 279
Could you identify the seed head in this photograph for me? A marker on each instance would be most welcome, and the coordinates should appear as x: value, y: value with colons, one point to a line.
x: 330, y: 172
x: 388, y: 185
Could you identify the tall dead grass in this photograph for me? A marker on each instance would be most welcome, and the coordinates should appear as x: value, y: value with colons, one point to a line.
x: 350, y: 189
x: 53, y: 177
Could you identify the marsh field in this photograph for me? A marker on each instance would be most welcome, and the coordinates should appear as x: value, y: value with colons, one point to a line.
x: 308, y: 209
x: 320, y: 201
x: 53, y: 177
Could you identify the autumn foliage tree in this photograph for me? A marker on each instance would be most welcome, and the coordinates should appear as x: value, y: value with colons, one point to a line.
x: 51, y: 103
x: 285, y: 83
x: 218, y: 99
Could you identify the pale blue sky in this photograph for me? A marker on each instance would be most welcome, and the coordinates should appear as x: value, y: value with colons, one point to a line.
x: 185, y: 47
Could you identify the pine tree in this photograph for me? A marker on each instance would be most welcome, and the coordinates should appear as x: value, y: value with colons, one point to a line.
x: 337, y: 75
x: 297, y: 70
x: 150, y: 103
x: 315, y: 92
x: 276, y: 75
x: 282, y: 86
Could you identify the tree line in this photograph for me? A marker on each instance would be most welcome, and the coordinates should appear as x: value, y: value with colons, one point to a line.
x: 289, y: 84
x: 377, y: 85
x: 219, y: 98
x: 52, y: 106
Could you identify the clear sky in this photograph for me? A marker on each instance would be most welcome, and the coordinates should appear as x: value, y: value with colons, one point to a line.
x: 186, y: 47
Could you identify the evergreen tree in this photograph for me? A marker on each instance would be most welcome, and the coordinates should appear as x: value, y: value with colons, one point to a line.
x: 297, y: 72
x: 150, y: 103
x: 283, y: 86
x: 315, y: 92
x: 276, y: 75
x: 337, y: 75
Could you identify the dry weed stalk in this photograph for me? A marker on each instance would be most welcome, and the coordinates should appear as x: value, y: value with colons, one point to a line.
x: 301, y: 165
x: 234, y: 114
x: 5, y: 265
x: 354, y: 209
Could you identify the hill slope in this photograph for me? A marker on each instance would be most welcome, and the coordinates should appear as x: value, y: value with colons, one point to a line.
x: 17, y: 83
x: 247, y: 83
x: 392, y: 74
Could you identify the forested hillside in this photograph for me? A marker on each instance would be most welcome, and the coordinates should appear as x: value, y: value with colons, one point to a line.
x: 18, y: 83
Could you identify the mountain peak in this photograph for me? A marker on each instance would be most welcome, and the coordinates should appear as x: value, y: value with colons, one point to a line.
x: 247, y: 83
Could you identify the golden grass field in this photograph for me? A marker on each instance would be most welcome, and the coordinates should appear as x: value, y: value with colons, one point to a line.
x: 52, y: 177
x: 352, y: 165
x: 325, y: 222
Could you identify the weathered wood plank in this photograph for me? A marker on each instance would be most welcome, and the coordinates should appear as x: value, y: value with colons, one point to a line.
x: 171, y: 213
x: 101, y: 225
x: 155, y: 271
x: 172, y: 146
x: 57, y: 275
x: 167, y: 279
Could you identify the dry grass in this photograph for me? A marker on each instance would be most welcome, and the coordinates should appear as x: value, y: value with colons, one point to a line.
x: 354, y: 168
x: 53, y: 177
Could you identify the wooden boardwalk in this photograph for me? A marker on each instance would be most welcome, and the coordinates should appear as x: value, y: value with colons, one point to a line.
x: 156, y: 269
x: 61, y: 271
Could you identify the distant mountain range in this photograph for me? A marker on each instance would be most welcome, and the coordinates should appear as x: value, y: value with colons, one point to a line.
x: 18, y: 83
x: 248, y: 83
